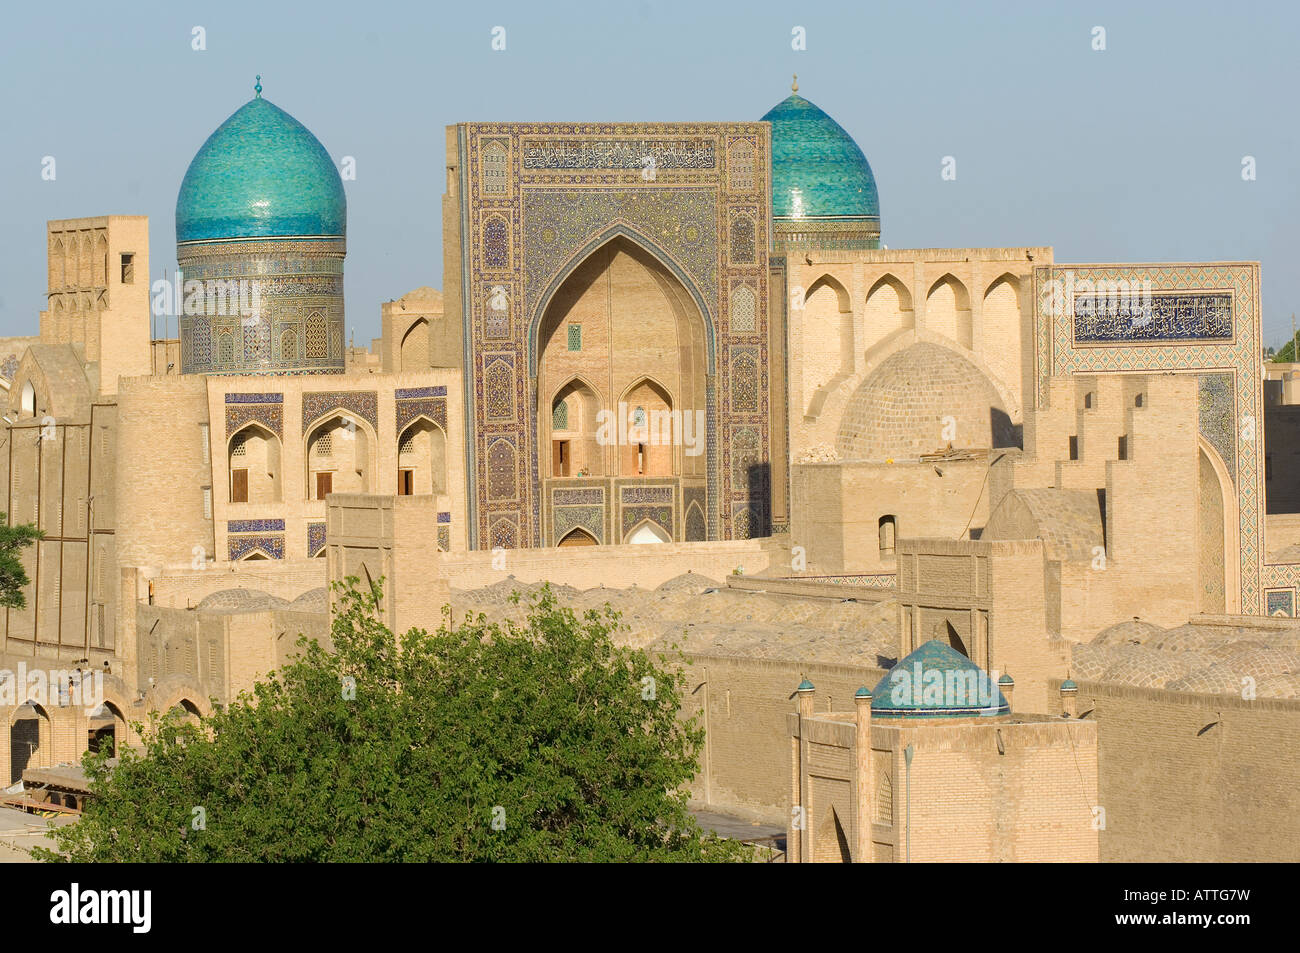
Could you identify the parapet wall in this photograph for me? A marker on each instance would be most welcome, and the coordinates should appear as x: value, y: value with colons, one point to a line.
x: 1191, y: 777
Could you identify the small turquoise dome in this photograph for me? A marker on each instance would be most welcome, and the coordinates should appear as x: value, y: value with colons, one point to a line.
x: 262, y: 174
x: 862, y: 692
x: 805, y: 686
x: 818, y: 171
x: 1069, y: 686
x: 1006, y: 680
x: 937, y: 681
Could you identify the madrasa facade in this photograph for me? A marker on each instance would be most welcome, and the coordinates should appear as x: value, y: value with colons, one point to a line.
x: 682, y: 346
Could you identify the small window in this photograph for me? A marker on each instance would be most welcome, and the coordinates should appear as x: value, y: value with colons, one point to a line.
x: 1123, y: 447
x: 207, y: 502
x: 1074, y: 448
x: 204, y: 435
x: 560, y: 416
x: 128, y: 268
x: 888, y: 529
x: 575, y: 337
x: 407, y: 444
x: 325, y: 445
x: 1137, y: 401
x: 1087, y: 401
x: 240, y: 447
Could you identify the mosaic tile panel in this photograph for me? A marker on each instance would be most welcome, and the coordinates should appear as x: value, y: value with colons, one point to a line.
x: 269, y: 415
x: 1218, y: 417
x: 435, y: 408
x: 1128, y: 316
x: 444, y: 538
x: 646, y: 494
x: 254, y: 526
x: 589, y: 518
x: 1279, y: 602
x: 662, y: 516
x: 315, y: 539
x: 240, y: 546
x: 315, y: 405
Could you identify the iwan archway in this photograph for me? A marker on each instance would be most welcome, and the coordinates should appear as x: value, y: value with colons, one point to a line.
x: 622, y: 400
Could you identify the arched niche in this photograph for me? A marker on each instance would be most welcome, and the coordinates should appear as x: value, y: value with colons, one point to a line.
x: 573, y: 431
x: 421, y: 458
x: 255, y: 459
x: 339, y: 457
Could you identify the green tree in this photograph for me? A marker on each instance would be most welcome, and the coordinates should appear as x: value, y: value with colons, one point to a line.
x: 480, y: 742
x: 13, y: 577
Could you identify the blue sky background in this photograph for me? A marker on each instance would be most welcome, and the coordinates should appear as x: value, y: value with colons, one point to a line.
x: 1132, y: 154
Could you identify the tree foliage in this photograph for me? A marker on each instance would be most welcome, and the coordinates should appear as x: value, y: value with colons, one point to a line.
x: 480, y: 742
x: 13, y: 577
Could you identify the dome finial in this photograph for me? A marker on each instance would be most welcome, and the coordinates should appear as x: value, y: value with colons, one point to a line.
x: 794, y: 87
x: 258, y: 88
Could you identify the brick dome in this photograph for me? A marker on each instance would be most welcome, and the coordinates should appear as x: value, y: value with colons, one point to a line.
x: 898, y: 411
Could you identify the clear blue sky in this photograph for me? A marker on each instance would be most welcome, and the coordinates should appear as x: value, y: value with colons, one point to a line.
x: 1131, y: 154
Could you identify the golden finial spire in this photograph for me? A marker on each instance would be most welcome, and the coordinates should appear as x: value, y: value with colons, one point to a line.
x: 794, y: 87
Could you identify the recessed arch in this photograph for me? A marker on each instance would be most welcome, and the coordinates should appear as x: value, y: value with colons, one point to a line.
x: 1218, y: 543
x: 421, y: 458
x: 1002, y: 329
x: 28, y: 399
x: 578, y: 537
x: 651, y: 429
x: 414, y: 354
x: 573, y: 425
x: 30, y: 739
x: 339, y: 455
x: 254, y: 456
x: 646, y: 532
x: 826, y: 331
x: 889, y: 310
x: 948, y: 311
x: 620, y: 230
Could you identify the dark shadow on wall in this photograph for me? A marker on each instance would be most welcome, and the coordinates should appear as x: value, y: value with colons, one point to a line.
x: 1005, y: 433
x: 759, y: 480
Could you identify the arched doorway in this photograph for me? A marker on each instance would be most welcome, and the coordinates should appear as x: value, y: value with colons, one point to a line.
x: 29, y: 739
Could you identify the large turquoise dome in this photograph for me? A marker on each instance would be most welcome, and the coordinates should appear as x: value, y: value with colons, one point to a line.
x: 818, y: 171
x: 262, y: 174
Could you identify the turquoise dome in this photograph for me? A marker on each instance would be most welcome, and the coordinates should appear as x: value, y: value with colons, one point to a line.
x: 262, y: 174
x: 818, y: 171
x: 937, y: 681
